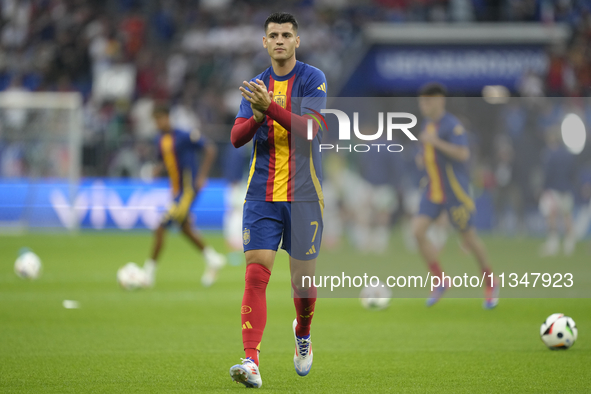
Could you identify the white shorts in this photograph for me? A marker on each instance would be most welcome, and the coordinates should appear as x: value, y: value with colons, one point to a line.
x: 553, y: 201
x: 412, y: 200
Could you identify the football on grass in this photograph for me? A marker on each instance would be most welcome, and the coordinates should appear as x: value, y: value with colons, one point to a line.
x: 558, y: 332
x: 131, y: 277
x: 375, y: 298
x: 27, y: 265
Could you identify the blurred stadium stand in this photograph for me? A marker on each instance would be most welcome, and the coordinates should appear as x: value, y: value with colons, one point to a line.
x: 197, y: 53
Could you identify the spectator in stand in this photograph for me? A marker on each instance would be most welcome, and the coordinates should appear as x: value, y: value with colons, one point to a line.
x: 58, y: 45
x: 133, y: 27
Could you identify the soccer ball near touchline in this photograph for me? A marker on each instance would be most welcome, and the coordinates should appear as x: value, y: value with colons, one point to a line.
x: 558, y: 332
x: 27, y: 265
x: 375, y: 298
x: 131, y: 277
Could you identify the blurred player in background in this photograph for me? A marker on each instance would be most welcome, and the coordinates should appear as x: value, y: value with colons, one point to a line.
x: 557, y: 200
x: 445, y: 153
x: 284, y: 197
x: 177, y: 151
x: 414, y: 179
x: 375, y: 200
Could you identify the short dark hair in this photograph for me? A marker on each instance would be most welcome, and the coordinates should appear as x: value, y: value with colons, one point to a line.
x: 161, y: 109
x: 280, y: 18
x: 433, y: 89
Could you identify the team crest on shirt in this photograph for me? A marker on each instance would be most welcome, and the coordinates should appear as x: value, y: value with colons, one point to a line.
x: 246, y: 236
x: 280, y: 99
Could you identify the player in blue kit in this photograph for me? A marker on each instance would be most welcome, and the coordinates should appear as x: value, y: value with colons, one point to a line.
x: 445, y: 155
x: 284, y: 200
x: 177, y: 151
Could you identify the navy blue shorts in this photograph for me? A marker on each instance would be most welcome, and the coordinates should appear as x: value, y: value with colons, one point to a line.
x: 461, y: 214
x: 299, y: 224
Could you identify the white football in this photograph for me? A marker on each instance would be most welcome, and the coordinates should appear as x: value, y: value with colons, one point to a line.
x: 131, y: 277
x: 28, y: 265
x: 558, y: 332
x: 375, y: 298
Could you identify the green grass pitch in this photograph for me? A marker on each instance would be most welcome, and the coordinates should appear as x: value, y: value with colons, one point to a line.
x: 180, y: 337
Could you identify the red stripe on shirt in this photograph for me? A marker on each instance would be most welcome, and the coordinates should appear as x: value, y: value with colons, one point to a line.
x: 271, y: 142
x: 291, y: 152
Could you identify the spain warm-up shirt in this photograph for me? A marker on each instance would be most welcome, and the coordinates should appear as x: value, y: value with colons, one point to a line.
x: 177, y: 150
x: 283, y: 168
x: 448, y: 178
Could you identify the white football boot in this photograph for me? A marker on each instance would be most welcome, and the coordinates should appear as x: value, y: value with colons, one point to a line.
x: 302, y: 359
x: 247, y: 373
x: 214, y: 261
x: 491, y: 296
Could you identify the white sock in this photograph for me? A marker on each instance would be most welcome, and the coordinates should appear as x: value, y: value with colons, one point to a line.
x: 380, y: 237
x: 553, y: 239
x: 213, y: 259
x: 208, y: 252
x: 569, y: 244
x: 150, y: 268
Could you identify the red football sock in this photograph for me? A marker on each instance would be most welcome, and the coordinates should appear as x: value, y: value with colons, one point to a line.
x: 253, y: 354
x: 305, y: 302
x: 487, y: 271
x: 435, y: 269
x: 254, y: 309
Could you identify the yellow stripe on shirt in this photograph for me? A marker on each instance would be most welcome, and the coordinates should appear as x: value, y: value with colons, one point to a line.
x: 316, y: 182
x: 187, y: 197
x: 457, y: 188
x: 435, y: 183
x: 281, y: 142
x: 252, y: 166
x: 170, y: 162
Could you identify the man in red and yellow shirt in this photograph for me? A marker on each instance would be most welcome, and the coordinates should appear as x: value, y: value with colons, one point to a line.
x: 284, y: 200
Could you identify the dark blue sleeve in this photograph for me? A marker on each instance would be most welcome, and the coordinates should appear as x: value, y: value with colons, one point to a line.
x: 453, y: 132
x: 315, y: 91
x: 245, y: 111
